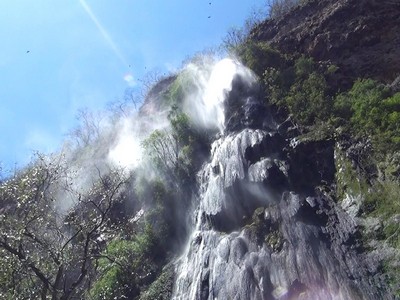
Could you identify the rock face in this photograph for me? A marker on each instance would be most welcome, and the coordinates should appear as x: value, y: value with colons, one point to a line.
x: 265, y: 224
x: 154, y: 101
x: 361, y: 37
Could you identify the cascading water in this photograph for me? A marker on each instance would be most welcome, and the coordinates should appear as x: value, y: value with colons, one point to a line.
x: 253, y: 238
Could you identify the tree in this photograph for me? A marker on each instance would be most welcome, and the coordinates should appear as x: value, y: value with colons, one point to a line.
x: 88, y: 129
x: 171, y: 149
x: 278, y: 8
x: 236, y: 37
x: 127, y: 267
x: 46, y: 254
x: 308, y: 100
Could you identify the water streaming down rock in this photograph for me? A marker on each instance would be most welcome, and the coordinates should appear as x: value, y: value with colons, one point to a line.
x: 255, y: 239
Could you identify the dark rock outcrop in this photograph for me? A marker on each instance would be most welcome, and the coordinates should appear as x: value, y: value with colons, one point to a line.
x: 311, y: 164
x: 154, y: 102
x: 360, y: 37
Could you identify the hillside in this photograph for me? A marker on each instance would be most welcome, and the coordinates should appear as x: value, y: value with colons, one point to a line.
x: 360, y: 37
x: 271, y: 174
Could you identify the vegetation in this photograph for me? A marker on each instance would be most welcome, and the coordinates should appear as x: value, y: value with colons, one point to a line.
x: 259, y: 56
x: 161, y: 289
x: 365, y: 120
x: 171, y: 150
x: 92, y: 250
x: 372, y: 111
x: 46, y: 253
x: 278, y: 8
x: 177, y: 150
x: 126, y: 267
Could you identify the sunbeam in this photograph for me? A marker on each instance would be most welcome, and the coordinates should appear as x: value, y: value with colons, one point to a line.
x: 103, y: 32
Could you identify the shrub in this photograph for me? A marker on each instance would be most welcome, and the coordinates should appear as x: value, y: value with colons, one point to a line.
x: 259, y: 56
x: 301, y: 89
x: 385, y: 197
x: 277, y: 84
x: 278, y: 8
x: 372, y: 112
x: 177, y: 91
x: 307, y: 99
x: 171, y: 150
x: 127, y: 267
x: 161, y: 289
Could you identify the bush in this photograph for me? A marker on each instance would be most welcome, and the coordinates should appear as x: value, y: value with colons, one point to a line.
x: 178, y: 90
x: 127, y: 267
x: 372, y: 112
x: 161, y: 289
x: 299, y: 88
x: 277, y: 84
x: 278, y: 8
x: 171, y: 150
x: 307, y: 99
x: 259, y: 56
x: 385, y: 198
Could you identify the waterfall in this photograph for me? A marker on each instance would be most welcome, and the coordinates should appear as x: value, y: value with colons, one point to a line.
x: 253, y: 238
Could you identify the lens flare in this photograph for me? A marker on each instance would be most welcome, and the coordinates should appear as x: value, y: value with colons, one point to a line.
x: 110, y: 42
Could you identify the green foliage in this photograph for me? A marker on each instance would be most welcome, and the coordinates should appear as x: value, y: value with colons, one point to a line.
x: 277, y: 84
x: 127, y: 267
x: 347, y: 179
x: 372, y: 112
x: 259, y: 56
x: 332, y: 69
x: 171, y: 150
x: 14, y: 283
x: 161, y: 288
x: 160, y: 201
x: 178, y: 90
x: 181, y: 126
x: 366, y: 97
x: 45, y: 253
x: 384, y: 197
x: 392, y: 234
x: 307, y: 99
x: 392, y: 271
x: 381, y: 200
x: 303, y: 67
x: 301, y: 89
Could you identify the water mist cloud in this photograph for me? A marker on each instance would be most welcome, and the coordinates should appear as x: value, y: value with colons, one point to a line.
x: 127, y: 151
x: 206, y: 104
x: 206, y: 85
x: 132, y: 130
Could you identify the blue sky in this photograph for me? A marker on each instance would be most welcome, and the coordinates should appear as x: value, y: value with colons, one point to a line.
x: 58, y: 56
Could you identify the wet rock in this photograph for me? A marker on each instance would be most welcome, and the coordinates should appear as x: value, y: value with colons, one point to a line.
x: 238, y: 250
x: 311, y: 164
x: 244, y: 108
x: 205, y: 286
x: 270, y: 144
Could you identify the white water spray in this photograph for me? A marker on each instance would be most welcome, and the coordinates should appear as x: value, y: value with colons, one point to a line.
x: 206, y: 105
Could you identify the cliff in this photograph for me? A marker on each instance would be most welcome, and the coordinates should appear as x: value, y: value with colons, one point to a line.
x: 361, y: 37
x: 271, y: 175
